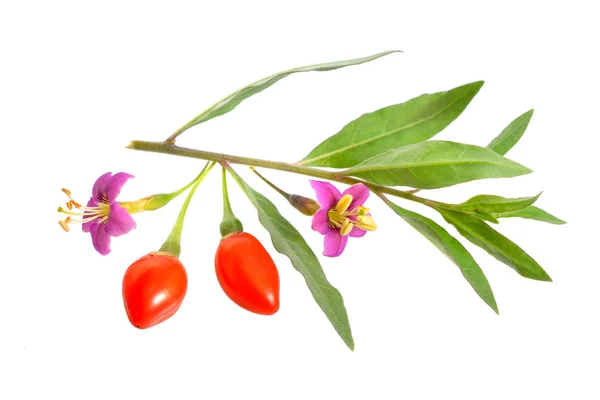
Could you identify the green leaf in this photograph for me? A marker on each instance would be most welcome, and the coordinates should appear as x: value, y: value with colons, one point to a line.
x: 485, y: 217
x: 391, y: 127
x: 534, y: 213
x: 230, y: 102
x: 452, y: 249
x: 496, y: 244
x: 288, y: 241
x: 435, y: 164
x: 491, y: 204
x: 511, y: 134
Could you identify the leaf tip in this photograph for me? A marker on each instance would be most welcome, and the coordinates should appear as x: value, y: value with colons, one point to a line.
x: 478, y: 84
x: 491, y: 302
x: 544, y: 277
x: 526, y: 170
x: 350, y: 344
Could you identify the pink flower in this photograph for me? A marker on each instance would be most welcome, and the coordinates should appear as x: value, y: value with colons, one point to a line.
x: 342, y: 215
x: 103, y: 217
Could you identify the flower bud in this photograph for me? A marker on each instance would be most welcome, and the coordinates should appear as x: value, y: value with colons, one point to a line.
x: 303, y: 204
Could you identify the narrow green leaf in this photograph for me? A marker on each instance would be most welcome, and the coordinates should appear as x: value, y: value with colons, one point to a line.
x: 230, y: 102
x: 288, y: 241
x: 485, y: 216
x: 511, y: 134
x: 414, y: 121
x: 435, y: 164
x: 491, y: 204
x: 532, y: 212
x: 496, y: 244
x: 452, y: 249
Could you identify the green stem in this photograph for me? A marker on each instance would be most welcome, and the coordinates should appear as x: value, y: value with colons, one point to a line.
x: 172, y: 149
x: 186, y: 187
x: 173, y: 243
x: 268, y: 182
x: 227, y: 211
x: 169, y: 148
x: 230, y: 224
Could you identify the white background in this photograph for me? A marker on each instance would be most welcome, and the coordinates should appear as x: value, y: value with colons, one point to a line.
x: 80, y: 79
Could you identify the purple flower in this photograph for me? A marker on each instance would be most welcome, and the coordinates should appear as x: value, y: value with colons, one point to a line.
x: 103, y: 216
x: 342, y: 215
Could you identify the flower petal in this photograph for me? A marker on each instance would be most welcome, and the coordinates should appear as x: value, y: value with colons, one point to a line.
x: 86, y: 225
x: 100, y: 239
x: 360, y: 194
x: 114, y: 185
x: 119, y: 221
x: 334, y: 243
x: 357, y: 232
x: 100, y: 186
x: 320, y: 222
x: 327, y: 194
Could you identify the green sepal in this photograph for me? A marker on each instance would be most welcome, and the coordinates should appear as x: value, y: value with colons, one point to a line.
x: 155, y: 201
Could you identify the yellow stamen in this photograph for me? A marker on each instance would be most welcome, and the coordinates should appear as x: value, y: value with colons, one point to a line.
x: 343, y: 204
x: 339, y: 217
x: 64, y: 224
x: 366, y: 223
x: 347, y: 227
x: 85, y: 214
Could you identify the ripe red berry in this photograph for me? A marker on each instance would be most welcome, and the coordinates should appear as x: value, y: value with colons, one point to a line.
x: 153, y: 288
x: 247, y: 273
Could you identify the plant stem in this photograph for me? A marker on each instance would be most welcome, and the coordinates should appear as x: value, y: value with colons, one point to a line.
x: 271, y: 184
x: 230, y: 223
x: 187, y: 186
x: 172, y: 149
x: 169, y: 148
x: 173, y: 243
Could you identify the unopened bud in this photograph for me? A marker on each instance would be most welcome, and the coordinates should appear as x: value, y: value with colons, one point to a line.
x: 303, y: 204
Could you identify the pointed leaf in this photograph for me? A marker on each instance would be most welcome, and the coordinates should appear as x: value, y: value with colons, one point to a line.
x: 534, y: 213
x: 491, y: 204
x: 288, y: 241
x: 233, y: 100
x: 496, y: 244
x: 414, y: 121
x: 435, y: 164
x: 485, y: 216
x: 511, y: 134
x: 452, y: 249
